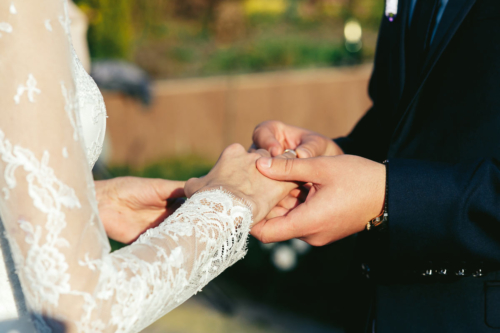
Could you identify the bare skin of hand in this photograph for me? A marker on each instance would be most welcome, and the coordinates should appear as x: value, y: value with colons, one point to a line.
x: 275, y: 137
x: 128, y: 206
x: 347, y: 192
x: 237, y: 173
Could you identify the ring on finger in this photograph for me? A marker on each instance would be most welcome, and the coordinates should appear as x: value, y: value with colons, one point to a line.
x: 291, y: 151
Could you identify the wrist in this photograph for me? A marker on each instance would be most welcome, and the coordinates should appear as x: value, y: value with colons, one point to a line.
x: 378, y: 198
x: 104, y: 191
x: 99, y: 186
x: 237, y: 194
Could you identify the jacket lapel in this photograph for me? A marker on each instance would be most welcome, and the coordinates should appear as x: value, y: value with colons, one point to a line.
x: 398, y: 47
x: 454, y: 14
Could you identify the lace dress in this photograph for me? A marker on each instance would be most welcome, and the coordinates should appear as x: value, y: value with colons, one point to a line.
x: 52, y: 124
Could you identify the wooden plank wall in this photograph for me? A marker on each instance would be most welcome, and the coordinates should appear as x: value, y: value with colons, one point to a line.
x: 202, y: 116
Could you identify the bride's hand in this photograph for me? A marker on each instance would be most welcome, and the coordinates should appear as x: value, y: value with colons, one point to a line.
x: 128, y: 206
x: 236, y: 172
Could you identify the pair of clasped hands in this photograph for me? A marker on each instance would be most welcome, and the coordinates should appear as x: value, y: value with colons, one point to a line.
x: 319, y: 196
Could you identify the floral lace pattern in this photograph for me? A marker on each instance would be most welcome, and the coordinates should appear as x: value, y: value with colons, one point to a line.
x: 30, y: 90
x: 92, y: 111
x: 68, y: 276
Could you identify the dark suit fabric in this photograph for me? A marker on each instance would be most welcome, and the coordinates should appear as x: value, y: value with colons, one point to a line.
x: 442, y: 140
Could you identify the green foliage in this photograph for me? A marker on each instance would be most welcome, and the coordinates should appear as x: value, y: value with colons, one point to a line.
x: 292, y: 12
x: 177, y: 168
x: 182, y: 38
x: 182, y: 53
x: 110, y: 30
x: 115, y: 245
x: 276, y: 53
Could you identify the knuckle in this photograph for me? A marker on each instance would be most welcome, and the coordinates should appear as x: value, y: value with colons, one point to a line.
x: 260, y: 127
x: 269, y: 124
x: 276, y: 123
x: 254, y: 155
x: 262, y: 236
x: 255, y: 135
x: 264, y: 239
x: 234, y: 148
x: 288, y: 165
x: 262, y: 124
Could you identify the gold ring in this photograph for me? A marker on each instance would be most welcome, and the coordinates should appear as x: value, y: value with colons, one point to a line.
x: 291, y: 151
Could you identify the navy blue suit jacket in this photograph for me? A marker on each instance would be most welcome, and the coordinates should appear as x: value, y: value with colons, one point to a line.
x: 443, y: 143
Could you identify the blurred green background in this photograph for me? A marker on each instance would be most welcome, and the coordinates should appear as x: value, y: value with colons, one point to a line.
x: 276, y: 288
x: 191, y: 38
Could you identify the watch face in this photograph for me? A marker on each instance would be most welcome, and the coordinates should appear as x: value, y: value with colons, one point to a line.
x: 378, y: 223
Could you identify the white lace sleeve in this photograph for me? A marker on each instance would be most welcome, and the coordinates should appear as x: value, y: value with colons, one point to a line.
x: 48, y: 205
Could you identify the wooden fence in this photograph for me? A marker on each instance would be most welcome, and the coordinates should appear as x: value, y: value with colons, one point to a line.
x: 202, y: 116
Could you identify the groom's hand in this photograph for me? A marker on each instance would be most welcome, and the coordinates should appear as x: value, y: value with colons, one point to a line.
x: 347, y: 192
x: 275, y: 137
x: 128, y: 206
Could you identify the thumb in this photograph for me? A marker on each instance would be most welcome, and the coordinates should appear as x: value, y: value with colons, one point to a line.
x: 289, y: 169
x: 295, y: 224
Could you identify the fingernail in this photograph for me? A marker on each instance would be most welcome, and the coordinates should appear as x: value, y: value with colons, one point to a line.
x: 274, y: 151
x: 265, y: 162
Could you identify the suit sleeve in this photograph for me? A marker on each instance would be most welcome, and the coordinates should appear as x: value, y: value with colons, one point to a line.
x: 447, y: 212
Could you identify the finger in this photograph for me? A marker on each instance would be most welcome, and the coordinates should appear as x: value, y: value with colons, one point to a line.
x: 295, y: 192
x: 262, y: 153
x: 301, y: 193
x: 277, y: 212
x: 265, y: 138
x: 170, y: 189
x: 293, y: 169
x: 289, y: 202
x: 279, y: 229
x: 311, y: 146
x: 287, y: 154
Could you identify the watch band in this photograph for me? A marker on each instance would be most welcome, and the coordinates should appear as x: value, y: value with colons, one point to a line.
x: 381, y: 222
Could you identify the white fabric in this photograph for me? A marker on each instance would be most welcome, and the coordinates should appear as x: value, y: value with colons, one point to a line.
x: 52, y: 124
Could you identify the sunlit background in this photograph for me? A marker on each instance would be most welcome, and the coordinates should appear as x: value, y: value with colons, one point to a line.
x: 182, y: 79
